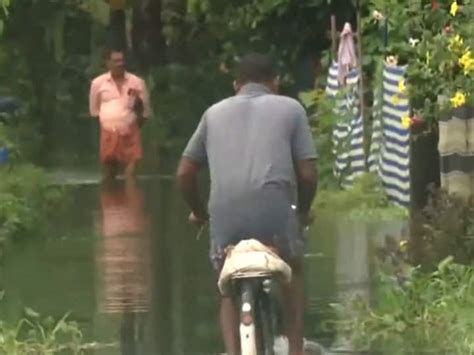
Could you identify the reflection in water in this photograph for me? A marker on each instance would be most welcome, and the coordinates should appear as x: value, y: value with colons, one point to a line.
x: 122, y: 256
x: 157, y: 296
x: 356, y: 242
x: 352, y: 270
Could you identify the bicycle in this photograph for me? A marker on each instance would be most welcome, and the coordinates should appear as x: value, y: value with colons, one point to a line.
x: 259, y: 316
x: 256, y: 288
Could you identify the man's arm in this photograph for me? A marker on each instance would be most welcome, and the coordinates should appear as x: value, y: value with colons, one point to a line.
x: 94, y: 100
x: 145, y: 96
x: 194, y: 155
x: 307, y: 180
x: 144, y: 111
x: 304, y: 157
x: 187, y: 178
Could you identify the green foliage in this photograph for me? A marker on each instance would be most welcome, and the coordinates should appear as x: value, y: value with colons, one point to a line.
x: 25, y: 199
x: 5, y: 137
x: 48, y: 62
x: 434, y: 72
x: 366, y: 200
x: 322, y: 119
x: 4, y: 4
x: 18, y: 135
x: 267, y: 26
x: 434, y: 68
x: 52, y: 58
x: 36, y: 335
x: 421, y: 312
x: 180, y: 94
x: 444, y: 227
x: 410, y: 14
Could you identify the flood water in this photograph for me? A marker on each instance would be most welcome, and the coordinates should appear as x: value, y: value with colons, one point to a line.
x: 128, y: 267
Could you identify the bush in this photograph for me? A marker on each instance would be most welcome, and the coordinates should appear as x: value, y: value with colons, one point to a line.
x: 443, y: 228
x: 25, y: 199
x: 417, y: 312
x: 425, y: 307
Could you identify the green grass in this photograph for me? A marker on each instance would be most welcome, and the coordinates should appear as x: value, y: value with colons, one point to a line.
x: 415, y: 312
x: 38, y: 335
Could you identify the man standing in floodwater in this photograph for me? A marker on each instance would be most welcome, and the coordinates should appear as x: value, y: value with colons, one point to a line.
x: 261, y: 156
x: 120, y: 101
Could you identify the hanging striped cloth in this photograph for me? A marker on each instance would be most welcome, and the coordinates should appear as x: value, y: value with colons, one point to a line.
x: 390, y: 145
x: 376, y: 140
x: 348, y: 132
x: 456, y: 148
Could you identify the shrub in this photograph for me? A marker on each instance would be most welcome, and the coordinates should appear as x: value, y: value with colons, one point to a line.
x: 25, y: 199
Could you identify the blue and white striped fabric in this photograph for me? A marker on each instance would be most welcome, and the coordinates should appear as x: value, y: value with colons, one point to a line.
x: 390, y: 146
x: 348, y: 134
x: 376, y: 141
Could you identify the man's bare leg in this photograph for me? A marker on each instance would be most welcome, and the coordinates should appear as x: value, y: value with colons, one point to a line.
x: 294, y: 309
x: 229, y: 319
x: 109, y: 170
x: 129, y: 171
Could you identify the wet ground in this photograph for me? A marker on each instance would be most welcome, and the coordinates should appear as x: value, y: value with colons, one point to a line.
x: 126, y: 264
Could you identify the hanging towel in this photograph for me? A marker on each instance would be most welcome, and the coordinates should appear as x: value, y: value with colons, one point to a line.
x: 390, y: 145
x: 456, y: 148
x: 346, y: 55
x: 348, y: 131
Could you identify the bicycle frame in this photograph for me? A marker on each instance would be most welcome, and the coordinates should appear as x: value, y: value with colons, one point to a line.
x: 258, y: 314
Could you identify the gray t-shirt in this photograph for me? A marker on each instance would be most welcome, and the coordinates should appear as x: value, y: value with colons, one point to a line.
x: 250, y: 143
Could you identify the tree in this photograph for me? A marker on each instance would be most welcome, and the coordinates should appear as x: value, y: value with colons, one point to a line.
x: 294, y: 31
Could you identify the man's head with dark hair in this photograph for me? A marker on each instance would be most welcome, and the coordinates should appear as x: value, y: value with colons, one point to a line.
x: 256, y: 68
x: 115, y: 59
x: 111, y: 50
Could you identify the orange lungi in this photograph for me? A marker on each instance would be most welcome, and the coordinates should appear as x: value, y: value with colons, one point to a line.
x: 120, y: 146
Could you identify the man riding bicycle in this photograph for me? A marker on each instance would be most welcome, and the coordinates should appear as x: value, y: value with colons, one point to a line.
x: 262, y: 161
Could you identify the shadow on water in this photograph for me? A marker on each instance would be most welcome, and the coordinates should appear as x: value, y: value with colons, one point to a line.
x: 124, y: 261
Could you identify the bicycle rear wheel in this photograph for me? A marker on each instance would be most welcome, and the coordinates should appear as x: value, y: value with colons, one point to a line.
x: 258, y: 318
x: 266, y: 336
x: 248, y: 328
